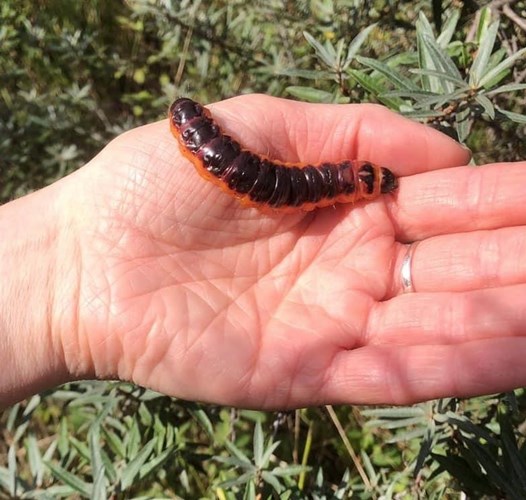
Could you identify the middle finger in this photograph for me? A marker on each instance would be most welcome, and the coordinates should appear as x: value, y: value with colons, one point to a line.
x: 459, y: 199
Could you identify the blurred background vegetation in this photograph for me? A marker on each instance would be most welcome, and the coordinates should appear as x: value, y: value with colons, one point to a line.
x: 75, y: 74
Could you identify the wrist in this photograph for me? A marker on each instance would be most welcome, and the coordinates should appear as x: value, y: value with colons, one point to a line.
x: 31, y: 351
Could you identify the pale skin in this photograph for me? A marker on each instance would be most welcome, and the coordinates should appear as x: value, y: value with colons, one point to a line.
x: 136, y: 268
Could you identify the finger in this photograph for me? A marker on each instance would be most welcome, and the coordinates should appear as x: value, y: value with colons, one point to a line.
x: 465, y: 261
x: 294, y: 131
x: 448, y: 317
x: 459, y: 199
x: 406, y: 375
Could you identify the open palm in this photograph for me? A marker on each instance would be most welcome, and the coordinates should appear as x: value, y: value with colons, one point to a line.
x: 181, y: 289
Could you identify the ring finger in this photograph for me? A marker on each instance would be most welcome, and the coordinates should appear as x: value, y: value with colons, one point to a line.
x: 462, y: 262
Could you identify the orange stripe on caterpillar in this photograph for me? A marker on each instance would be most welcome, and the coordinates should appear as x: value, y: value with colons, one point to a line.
x: 260, y: 182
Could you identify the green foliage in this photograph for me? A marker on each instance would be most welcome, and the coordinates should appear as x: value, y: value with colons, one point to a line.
x: 75, y: 74
x: 440, y: 83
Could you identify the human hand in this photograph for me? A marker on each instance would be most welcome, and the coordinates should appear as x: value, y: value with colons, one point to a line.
x: 162, y: 279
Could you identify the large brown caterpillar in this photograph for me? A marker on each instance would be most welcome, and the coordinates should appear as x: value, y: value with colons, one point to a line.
x: 258, y: 181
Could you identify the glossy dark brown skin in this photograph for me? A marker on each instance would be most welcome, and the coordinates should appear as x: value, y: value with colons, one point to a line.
x: 261, y: 182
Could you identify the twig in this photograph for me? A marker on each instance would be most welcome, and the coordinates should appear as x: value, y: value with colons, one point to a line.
x: 519, y: 21
x: 348, y: 446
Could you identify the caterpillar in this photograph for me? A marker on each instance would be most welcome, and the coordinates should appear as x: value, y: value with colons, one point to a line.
x: 259, y: 182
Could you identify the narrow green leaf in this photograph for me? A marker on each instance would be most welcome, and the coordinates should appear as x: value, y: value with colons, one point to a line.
x: 510, y: 87
x: 244, y: 478
x: 258, y: 444
x: 372, y: 86
x: 403, y: 412
x: 131, y: 471
x: 272, y: 480
x: 20, y: 431
x: 109, y: 466
x: 408, y: 435
x: 50, y: 451
x: 480, y: 64
x: 250, y: 491
x: 289, y: 470
x: 57, y: 491
x: 70, y: 479
x: 484, y: 22
x: 11, y: 418
x: 423, y: 26
x: 97, y: 465
x: 441, y: 58
x: 145, y: 415
x: 463, y: 124
x: 356, y: 44
x: 81, y: 447
x: 310, y: 94
x: 442, y: 77
x: 234, y: 450
x: 425, y: 449
x: 494, y: 73
x: 202, y: 418
x: 63, y: 437
x: 412, y: 94
x: 329, y: 47
x: 401, y: 82
x: 98, y: 491
x: 487, y: 105
x: 265, y: 458
x: 339, y: 52
x: 115, y: 443
x: 4, y: 478
x: 33, y: 403
x: 441, y: 100
x: 369, y: 467
x: 159, y: 460
x: 448, y: 30
x: 403, y: 422
x: 307, y: 74
x: 133, y: 440
x: 36, y: 465
x: 422, y: 114
x: 12, y: 470
x: 235, y: 462
x: 326, y: 56
x: 514, y: 117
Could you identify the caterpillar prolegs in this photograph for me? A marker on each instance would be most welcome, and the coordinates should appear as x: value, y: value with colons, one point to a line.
x: 261, y: 182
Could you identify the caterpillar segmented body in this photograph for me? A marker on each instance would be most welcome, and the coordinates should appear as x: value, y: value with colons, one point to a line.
x: 258, y: 181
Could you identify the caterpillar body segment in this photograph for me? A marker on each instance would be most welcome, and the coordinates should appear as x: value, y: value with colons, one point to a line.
x: 260, y: 182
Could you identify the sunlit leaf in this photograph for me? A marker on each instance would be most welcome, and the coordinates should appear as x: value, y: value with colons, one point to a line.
x: 325, y: 55
x: 496, y: 74
x: 479, y: 66
x: 131, y: 471
x: 372, y: 86
x: 514, y: 117
x: 486, y: 104
x: 448, y: 30
x: 70, y: 479
x: 356, y: 44
x: 400, y: 81
x: 310, y: 94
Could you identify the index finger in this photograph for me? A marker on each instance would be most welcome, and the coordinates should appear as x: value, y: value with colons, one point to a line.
x: 294, y: 131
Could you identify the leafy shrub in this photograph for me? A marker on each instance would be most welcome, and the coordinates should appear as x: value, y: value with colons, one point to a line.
x: 75, y: 74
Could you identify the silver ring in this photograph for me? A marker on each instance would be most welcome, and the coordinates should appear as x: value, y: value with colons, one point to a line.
x: 405, y: 271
